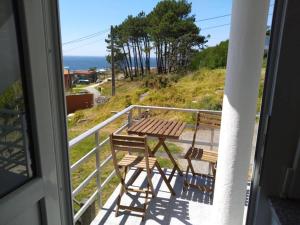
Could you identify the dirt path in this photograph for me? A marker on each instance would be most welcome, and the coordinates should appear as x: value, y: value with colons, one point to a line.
x: 93, y: 90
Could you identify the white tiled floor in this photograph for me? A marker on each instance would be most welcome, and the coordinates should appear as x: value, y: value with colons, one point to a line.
x: 190, y: 207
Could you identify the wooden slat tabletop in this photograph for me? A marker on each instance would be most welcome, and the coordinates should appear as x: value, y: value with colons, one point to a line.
x: 158, y: 127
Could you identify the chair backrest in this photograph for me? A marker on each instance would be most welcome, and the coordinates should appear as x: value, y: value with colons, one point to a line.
x: 130, y: 144
x: 207, y: 120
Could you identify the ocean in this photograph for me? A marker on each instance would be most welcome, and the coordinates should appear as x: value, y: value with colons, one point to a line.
x: 86, y: 62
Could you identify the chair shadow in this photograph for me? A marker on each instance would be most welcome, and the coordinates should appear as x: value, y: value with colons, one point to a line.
x: 195, y: 195
x: 163, y: 209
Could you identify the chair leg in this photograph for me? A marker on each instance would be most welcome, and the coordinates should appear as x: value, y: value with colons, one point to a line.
x: 119, y: 200
x: 122, y: 190
x: 191, y: 166
x: 151, y: 184
x: 145, y: 203
x: 185, y: 182
x: 164, y: 178
x: 125, y: 173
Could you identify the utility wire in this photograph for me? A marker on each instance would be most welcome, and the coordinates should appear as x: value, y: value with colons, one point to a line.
x: 80, y: 46
x: 212, y: 27
x: 87, y: 37
x: 212, y: 18
x: 217, y: 17
x: 90, y: 36
x: 222, y: 25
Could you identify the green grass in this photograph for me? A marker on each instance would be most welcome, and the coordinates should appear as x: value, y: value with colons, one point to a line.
x: 201, y: 90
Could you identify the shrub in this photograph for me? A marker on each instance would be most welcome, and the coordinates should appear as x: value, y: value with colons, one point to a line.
x: 77, y: 116
x: 12, y: 97
x: 157, y: 81
x: 212, y: 57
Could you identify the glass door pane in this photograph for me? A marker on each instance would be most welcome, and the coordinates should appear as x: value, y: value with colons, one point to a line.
x: 16, y: 165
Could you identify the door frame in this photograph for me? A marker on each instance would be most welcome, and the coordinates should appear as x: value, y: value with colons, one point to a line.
x: 281, y: 15
x: 38, y: 24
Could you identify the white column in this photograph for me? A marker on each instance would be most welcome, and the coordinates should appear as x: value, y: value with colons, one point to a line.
x: 246, y: 45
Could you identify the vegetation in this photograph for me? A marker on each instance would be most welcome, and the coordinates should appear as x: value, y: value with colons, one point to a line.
x: 201, y: 89
x: 12, y: 97
x: 169, y: 31
x: 212, y: 57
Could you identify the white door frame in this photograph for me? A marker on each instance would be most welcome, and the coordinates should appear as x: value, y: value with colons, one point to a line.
x: 50, y: 189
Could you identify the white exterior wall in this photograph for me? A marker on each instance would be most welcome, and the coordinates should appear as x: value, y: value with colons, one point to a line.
x: 246, y: 47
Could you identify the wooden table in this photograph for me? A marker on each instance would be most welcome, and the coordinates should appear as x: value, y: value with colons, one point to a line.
x: 162, y: 129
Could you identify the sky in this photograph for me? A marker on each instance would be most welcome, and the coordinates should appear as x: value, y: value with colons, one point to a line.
x: 80, y: 18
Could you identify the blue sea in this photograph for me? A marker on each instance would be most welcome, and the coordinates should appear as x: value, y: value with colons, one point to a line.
x: 86, y: 62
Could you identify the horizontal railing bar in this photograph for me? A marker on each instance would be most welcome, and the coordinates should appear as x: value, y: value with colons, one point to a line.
x: 93, y: 151
x: 177, y: 109
x: 84, y: 183
x: 105, y: 161
x: 182, y: 109
x: 85, y: 206
x: 91, y: 131
x: 108, y: 179
x: 185, y: 141
x: 9, y: 111
x: 83, y: 159
x: 110, y: 156
x: 12, y: 144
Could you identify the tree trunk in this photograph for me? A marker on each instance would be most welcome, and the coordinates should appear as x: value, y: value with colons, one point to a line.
x: 141, y: 59
x: 130, y: 61
x: 128, y: 69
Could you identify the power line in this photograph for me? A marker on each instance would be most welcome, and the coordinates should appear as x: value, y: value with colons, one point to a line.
x: 87, y: 37
x: 80, y: 46
x: 90, y: 36
x: 212, y: 18
x: 212, y: 27
x: 222, y: 25
x: 217, y: 17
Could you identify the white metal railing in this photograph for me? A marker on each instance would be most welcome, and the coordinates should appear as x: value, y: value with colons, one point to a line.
x: 98, y: 145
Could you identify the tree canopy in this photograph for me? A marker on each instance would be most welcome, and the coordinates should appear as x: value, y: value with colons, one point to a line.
x: 168, y: 32
x: 212, y: 57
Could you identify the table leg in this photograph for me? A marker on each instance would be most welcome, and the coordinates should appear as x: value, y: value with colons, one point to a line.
x: 172, y: 159
x: 165, y: 179
x: 160, y: 143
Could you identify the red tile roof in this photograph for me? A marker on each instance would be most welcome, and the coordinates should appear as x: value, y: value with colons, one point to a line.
x: 83, y: 72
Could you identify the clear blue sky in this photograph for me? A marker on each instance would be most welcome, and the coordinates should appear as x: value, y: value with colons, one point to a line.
x: 80, y: 18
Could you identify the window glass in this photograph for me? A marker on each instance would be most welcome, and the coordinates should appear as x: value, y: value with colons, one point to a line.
x: 15, y: 157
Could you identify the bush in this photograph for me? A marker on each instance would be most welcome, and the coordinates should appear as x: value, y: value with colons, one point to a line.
x: 12, y: 97
x: 212, y: 57
x: 157, y: 81
x: 77, y: 117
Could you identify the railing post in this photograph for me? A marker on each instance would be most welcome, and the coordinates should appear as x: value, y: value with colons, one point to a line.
x: 139, y: 113
x: 129, y: 118
x: 212, y: 135
x: 98, y: 177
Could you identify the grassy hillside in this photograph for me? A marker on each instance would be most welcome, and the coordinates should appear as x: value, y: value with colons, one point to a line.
x: 202, y: 89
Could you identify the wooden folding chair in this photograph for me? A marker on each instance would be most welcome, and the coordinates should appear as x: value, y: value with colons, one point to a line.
x: 131, y: 145
x: 198, y: 154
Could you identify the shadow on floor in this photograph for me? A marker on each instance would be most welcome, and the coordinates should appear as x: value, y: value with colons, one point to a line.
x: 164, y: 207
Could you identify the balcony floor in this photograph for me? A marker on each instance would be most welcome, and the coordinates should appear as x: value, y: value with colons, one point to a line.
x: 189, y: 207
